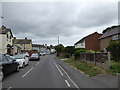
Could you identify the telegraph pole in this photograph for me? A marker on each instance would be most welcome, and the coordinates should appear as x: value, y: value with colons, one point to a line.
x: 58, y: 47
x: 58, y: 40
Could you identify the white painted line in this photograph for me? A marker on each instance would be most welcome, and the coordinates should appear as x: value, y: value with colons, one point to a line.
x: 37, y: 63
x: 58, y: 69
x: 9, y: 88
x: 27, y: 72
x: 67, y: 83
x: 69, y: 77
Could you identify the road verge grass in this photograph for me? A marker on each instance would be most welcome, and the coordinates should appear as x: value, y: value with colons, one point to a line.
x: 88, y: 68
x: 91, y: 69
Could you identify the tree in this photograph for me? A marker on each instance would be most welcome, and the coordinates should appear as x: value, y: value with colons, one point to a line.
x: 59, y: 48
x: 69, y: 50
x: 114, y: 48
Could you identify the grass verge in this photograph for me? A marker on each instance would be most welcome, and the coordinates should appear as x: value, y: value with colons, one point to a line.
x: 91, y: 69
x: 87, y: 68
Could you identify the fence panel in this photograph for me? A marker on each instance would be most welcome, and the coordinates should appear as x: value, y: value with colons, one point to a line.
x: 97, y: 57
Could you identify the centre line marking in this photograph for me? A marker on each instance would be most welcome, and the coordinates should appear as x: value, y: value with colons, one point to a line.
x: 37, y: 63
x: 58, y: 69
x: 69, y: 77
x: 27, y: 72
x: 67, y: 83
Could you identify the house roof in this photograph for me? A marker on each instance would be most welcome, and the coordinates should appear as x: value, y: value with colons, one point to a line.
x: 37, y: 45
x: 22, y: 41
x: 4, y: 30
x: 17, y: 46
x: 81, y: 40
x: 111, y: 31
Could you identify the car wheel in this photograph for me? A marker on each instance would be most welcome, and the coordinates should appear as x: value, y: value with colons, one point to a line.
x: 1, y: 76
x: 18, y: 68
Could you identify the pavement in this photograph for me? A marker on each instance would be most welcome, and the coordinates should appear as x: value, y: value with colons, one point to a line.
x: 50, y: 72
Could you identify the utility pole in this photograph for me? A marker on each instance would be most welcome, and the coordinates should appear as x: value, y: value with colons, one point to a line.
x: 58, y: 40
x: 58, y: 47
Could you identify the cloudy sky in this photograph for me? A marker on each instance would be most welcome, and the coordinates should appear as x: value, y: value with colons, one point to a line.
x: 43, y: 22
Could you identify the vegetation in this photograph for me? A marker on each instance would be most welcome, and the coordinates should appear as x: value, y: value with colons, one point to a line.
x: 87, y: 68
x: 114, y: 48
x: 93, y: 70
x: 65, y: 51
x: 81, y: 50
x: 59, y: 48
x: 114, y: 68
x: 69, y: 51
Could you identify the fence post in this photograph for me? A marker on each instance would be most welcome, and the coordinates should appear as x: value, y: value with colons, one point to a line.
x: 94, y: 59
x: 109, y: 59
x: 85, y: 56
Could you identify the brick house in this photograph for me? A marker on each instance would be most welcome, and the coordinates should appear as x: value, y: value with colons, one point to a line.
x: 90, y: 42
x: 111, y: 33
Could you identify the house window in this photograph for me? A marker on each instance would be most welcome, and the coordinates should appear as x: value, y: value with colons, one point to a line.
x: 82, y: 44
x: 7, y: 37
x: 115, y: 37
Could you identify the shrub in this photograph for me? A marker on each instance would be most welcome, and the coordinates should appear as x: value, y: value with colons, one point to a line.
x: 114, y: 48
x: 78, y: 51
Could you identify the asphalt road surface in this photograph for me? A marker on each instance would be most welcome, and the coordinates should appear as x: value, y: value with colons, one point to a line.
x: 49, y: 72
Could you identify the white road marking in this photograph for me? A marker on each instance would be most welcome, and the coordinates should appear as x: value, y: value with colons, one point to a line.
x: 69, y: 77
x: 27, y: 72
x: 58, y: 69
x: 9, y: 88
x: 37, y: 63
x: 67, y: 83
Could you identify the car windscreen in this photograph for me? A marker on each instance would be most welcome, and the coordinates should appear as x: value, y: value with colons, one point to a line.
x: 18, y: 56
x: 34, y: 55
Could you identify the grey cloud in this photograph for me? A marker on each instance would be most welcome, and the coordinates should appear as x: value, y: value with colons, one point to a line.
x: 43, y: 22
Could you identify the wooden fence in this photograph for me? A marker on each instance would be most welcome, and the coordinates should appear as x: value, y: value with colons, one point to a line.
x: 95, y: 57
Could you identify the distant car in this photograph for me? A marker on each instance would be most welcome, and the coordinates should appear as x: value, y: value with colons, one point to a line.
x: 7, y: 65
x: 22, y: 59
x: 35, y: 56
x: 42, y: 54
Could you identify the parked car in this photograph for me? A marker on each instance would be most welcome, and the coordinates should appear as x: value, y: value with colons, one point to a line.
x: 42, y: 54
x: 35, y: 56
x: 22, y: 59
x: 7, y: 65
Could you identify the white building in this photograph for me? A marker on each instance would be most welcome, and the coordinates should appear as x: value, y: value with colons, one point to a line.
x: 39, y: 48
x: 6, y: 38
x: 80, y: 44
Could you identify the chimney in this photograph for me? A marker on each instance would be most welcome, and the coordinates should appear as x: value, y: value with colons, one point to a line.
x: 25, y: 37
x: 14, y: 37
x: 45, y: 45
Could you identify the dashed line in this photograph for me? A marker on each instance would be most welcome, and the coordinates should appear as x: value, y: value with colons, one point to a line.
x: 67, y: 83
x: 9, y: 88
x: 58, y: 69
x: 27, y: 72
x: 69, y: 77
x: 37, y: 63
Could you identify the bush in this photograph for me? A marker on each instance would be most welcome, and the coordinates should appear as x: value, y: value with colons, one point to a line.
x: 114, y: 48
x: 78, y: 51
x: 115, y: 68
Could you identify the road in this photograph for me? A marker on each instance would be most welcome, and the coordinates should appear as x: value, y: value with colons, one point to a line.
x: 49, y: 72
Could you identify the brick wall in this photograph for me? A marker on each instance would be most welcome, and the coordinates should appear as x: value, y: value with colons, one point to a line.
x: 92, y: 42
